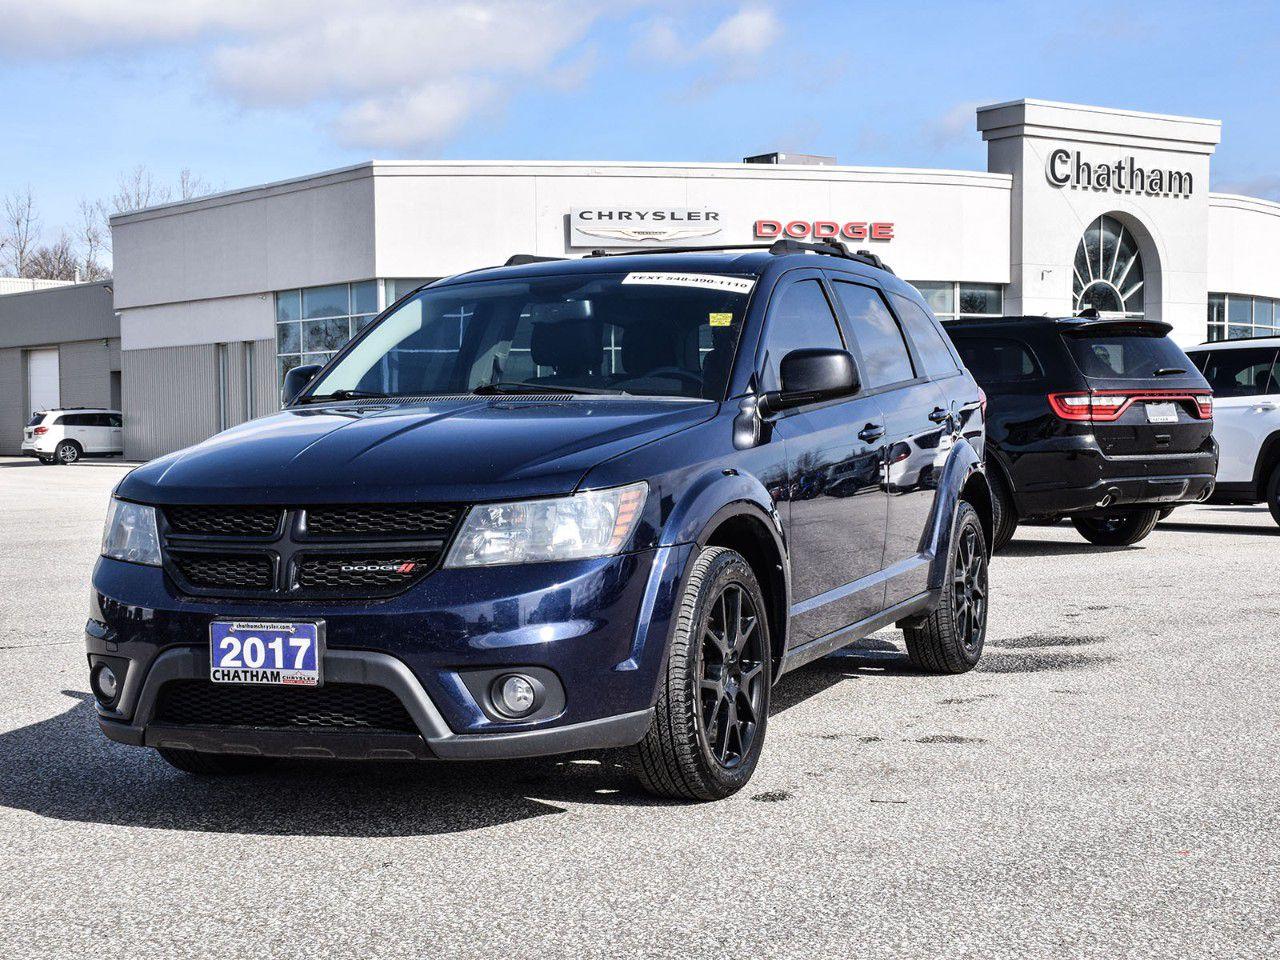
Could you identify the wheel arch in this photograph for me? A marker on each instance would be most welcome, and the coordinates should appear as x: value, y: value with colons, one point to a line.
x: 963, y: 478
x: 744, y: 528
x: 1268, y: 461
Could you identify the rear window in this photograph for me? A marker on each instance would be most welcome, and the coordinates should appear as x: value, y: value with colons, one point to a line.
x: 1126, y: 356
x: 36, y: 420
x: 1245, y: 372
x: 997, y: 359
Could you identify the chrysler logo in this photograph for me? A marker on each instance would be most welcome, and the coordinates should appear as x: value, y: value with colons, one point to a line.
x: 641, y: 226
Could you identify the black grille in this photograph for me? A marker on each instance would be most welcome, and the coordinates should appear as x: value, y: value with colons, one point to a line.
x: 341, y: 574
x: 379, y: 521
x: 224, y: 571
x: 224, y: 521
x: 334, y: 706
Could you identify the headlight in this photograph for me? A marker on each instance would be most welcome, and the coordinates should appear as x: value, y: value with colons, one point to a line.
x: 130, y: 533
x: 596, y: 523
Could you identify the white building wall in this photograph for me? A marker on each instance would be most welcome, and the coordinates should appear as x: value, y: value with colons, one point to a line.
x: 1244, y: 245
x: 434, y: 219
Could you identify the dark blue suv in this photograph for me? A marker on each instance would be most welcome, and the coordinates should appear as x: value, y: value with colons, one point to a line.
x: 554, y: 506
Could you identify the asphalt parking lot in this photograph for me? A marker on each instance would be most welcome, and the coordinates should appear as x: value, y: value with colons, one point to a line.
x: 1104, y: 785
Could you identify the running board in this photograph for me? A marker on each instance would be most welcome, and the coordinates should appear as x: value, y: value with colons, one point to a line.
x: 808, y: 652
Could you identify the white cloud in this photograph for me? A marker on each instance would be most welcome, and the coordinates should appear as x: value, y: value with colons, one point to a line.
x: 748, y: 32
x: 396, y: 74
x: 957, y: 125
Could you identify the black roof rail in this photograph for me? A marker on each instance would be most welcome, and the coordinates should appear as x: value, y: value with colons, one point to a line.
x: 779, y: 248
x: 520, y: 259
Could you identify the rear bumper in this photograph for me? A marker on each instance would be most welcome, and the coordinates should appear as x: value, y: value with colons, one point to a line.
x: 1061, y: 483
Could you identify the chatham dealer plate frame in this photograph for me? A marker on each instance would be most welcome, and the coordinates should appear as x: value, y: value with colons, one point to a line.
x: 296, y: 678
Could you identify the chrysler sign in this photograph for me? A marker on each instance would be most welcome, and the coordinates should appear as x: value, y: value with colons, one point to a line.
x: 640, y: 226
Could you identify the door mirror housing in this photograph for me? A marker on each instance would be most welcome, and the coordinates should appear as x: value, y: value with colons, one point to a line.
x: 296, y: 380
x: 810, y: 375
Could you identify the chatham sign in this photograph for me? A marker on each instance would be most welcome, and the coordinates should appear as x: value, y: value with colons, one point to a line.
x: 1067, y: 168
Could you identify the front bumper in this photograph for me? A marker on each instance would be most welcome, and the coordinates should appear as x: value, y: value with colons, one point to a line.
x: 601, y: 627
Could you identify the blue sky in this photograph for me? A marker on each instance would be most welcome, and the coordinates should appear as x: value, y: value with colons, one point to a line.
x: 241, y: 92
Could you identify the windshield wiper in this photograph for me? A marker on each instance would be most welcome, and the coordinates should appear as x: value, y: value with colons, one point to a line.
x: 1169, y: 371
x: 345, y: 395
x: 520, y: 386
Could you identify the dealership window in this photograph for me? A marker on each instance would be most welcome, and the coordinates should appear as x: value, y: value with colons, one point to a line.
x: 1235, y: 316
x: 1108, y: 272
x: 313, y: 323
x: 950, y: 300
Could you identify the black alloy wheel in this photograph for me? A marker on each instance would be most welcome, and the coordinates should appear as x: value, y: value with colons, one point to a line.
x: 1118, y: 528
x: 969, y: 589
x: 731, y: 673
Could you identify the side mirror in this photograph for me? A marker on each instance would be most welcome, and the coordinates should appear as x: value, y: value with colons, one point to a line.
x: 812, y: 374
x: 296, y: 380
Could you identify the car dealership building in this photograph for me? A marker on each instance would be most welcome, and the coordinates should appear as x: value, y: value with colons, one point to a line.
x: 1079, y: 206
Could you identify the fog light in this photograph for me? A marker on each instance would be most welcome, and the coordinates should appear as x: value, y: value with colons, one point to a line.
x: 105, y: 684
x: 516, y: 695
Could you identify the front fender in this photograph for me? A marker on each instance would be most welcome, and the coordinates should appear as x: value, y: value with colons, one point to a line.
x: 963, y: 464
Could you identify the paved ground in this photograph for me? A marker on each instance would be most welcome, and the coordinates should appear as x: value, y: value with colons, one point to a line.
x: 1105, y: 785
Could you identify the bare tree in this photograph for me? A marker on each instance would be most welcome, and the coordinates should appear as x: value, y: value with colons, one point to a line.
x: 57, y: 261
x: 191, y: 186
x: 20, y: 230
x: 137, y: 189
x: 92, y: 238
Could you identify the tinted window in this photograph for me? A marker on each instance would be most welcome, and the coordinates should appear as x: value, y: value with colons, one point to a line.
x: 35, y: 420
x: 884, y: 352
x: 801, y: 317
x: 997, y: 359
x: 115, y: 420
x: 650, y: 334
x: 1241, y: 373
x: 1125, y: 355
x: 924, y: 333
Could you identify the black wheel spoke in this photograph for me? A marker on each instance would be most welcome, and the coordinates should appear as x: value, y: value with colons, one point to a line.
x: 731, y: 694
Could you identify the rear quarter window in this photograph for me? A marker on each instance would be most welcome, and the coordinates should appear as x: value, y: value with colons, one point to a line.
x: 998, y: 359
x: 929, y: 341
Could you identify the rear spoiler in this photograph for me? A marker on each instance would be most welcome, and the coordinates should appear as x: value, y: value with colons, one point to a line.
x: 1140, y: 326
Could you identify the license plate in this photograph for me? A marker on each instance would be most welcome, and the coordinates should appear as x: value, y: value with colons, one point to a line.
x: 1162, y: 413
x: 244, y: 651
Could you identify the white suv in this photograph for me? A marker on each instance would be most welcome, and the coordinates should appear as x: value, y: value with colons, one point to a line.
x: 1245, y: 376
x: 66, y: 435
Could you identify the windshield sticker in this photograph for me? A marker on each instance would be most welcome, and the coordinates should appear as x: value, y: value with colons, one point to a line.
x: 705, y: 281
x: 720, y: 319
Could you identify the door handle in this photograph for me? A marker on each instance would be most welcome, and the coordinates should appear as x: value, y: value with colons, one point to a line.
x: 1266, y: 407
x: 939, y: 415
x: 871, y: 432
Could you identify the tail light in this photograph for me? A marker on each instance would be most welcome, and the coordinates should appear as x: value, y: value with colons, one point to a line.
x: 1107, y: 406
x: 40, y: 431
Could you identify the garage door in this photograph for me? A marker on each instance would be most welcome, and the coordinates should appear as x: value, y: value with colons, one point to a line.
x: 42, y: 380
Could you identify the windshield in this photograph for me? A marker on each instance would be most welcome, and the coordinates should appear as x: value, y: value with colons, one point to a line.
x: 1125, y: 356
x: 647, y: 334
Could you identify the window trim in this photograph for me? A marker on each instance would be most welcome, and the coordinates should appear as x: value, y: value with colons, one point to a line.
x: 1224, y: 326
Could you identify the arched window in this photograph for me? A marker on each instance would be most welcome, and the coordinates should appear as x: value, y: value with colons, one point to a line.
x: 1108, y: 270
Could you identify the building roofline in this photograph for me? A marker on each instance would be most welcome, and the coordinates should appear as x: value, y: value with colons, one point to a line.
x: 62, y: 287
x: 1239, y: 199
x: 1091, y: 108
x: 374, y: 168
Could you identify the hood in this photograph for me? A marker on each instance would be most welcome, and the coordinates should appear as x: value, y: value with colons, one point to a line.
x: 446, y: 450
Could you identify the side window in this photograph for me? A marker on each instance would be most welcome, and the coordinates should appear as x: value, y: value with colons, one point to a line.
x: 997, y: 359
x: 877, y: 334
x: 800, y: 317
x: 1243, y: 372
x: 924, y: 333
x: 115, y: 420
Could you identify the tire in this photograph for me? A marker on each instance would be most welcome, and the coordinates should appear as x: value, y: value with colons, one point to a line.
x: 213, y: 764
x: 1120, y: 529
x: 67, y: 452
x: 47, y: 461
x: 709, y: 723
x: 951, y: 638
x: 1166, y: 512
x: 1273, y: 494
x: 1004, y: 520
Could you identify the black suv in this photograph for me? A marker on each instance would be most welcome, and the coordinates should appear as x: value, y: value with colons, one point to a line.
x: 1101, y: 420
x: 554, y: 506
